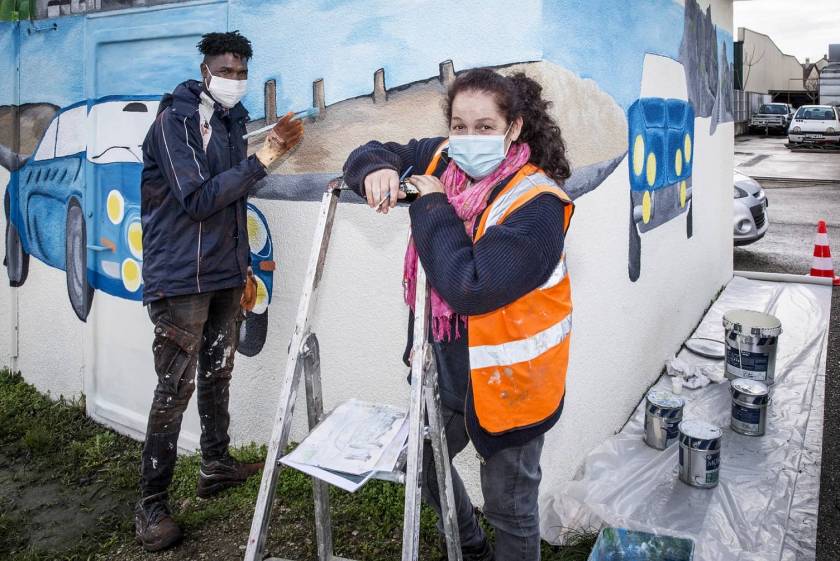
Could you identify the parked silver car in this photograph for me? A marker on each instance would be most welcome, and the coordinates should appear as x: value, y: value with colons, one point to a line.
x: 750, y: 216
x: 772, y: 117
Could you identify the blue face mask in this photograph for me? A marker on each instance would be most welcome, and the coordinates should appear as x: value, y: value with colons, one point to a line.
x: 478, y: 155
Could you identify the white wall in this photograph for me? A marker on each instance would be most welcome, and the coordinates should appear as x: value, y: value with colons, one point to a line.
x: 623, y: 330
x: 771, y: 69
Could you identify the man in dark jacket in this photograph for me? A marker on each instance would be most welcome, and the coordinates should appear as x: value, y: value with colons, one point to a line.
x: 195, y: 182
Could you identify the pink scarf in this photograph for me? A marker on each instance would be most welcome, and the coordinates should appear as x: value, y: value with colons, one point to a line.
x: 469, y: 202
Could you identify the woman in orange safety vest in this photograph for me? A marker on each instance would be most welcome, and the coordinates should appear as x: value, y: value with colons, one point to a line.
x: 489, y: 228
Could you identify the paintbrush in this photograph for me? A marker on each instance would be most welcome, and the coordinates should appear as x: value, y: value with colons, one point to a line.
x: 305, y: 114
x: 404, y: 186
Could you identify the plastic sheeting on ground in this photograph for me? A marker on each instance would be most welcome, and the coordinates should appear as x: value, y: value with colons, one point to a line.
x: 758, y: 511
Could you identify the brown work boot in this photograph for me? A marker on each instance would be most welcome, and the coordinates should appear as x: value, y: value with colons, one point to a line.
x: 154, y: 528
x: 217, y: 475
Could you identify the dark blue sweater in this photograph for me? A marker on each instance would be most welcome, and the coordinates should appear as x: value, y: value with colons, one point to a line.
x: 510, y: 260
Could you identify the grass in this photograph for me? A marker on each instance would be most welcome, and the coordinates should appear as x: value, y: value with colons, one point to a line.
x: 51, y: 445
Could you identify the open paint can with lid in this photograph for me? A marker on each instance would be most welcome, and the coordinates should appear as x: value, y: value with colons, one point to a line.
x: 700, y: 453
x: 663, y: 414
x: 751, y: 339
x: 749, y: 406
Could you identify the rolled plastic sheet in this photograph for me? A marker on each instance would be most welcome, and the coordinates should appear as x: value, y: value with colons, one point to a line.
x: 759, y: 511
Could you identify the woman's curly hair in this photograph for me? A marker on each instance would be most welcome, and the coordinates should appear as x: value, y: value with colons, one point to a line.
x: 520, y: 96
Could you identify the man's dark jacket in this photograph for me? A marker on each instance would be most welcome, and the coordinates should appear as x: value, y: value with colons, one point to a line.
x: 195, y: 237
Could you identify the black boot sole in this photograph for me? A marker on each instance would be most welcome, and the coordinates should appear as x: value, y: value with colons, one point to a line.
x: 207, y: 490
x: 159, y: 545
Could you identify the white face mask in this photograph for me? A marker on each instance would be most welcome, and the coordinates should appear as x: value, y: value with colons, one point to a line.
x: 227, y: 92
x: 478, y: 155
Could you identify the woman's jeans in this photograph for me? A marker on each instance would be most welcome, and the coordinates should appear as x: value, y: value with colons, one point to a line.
x: 510, y: 481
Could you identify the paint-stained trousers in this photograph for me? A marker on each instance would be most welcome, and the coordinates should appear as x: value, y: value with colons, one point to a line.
x: 510, y: 481
x: 191, y: 330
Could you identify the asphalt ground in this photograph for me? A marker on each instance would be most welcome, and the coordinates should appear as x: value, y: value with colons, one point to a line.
x: 794, y: 209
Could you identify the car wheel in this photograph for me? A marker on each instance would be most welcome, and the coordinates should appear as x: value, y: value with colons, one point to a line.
x: 252, y: 333
x: 634, y: 258
x: 75, y: 245
x: 16, y: 259
x: 689, y: 220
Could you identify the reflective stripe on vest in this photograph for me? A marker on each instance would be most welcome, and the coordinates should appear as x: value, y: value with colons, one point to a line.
x: 519, y: 353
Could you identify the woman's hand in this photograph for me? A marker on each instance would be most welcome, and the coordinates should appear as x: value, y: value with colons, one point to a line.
x: 426, y: 184
x: 381, y: 185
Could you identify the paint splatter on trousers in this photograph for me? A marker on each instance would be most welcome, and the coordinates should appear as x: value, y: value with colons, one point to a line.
x: 192, y: 332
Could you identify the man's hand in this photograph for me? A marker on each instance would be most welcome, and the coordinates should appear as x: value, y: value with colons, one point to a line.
x: 426, y: 184
x: 285, y: 135
x: 382, y: 184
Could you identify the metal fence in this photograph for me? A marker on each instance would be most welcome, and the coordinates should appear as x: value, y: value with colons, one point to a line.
x: 747, y: 103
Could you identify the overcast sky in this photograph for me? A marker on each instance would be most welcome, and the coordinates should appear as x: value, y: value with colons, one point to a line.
x: 802, y: 28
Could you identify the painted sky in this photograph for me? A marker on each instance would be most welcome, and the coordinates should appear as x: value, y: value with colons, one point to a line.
x: 7, y: 63
x: 295, y: 43
x: 337, y: 41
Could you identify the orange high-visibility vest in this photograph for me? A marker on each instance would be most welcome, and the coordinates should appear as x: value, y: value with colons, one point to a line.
x: 519, y: 353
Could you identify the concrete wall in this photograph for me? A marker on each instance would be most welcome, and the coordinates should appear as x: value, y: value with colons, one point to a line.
x: 639, y: 287
x: 766, y: 67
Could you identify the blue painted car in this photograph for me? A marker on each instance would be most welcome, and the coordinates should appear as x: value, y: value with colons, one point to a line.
x: 661, y: 159
x: 75, y: 205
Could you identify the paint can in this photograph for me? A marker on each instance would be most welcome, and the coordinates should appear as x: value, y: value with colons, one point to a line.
x: 749, y: 406
x: 699, y: 453
x: 751, y: 339
x: 663, y: 415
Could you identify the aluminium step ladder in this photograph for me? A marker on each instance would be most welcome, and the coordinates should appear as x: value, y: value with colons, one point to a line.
x: 424, y: 404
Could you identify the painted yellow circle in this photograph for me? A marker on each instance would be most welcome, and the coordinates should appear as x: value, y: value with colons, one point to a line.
x: 115, y: 206
x: 261, y: 302
x: 678, y: 162
x: 638, y: 155
x: 131, y: 275
x: 687, y: 148
x: 683, y: 193
x: 135, y: 239
x: 651, y: 169
x: 257, y: 234
x: 647, y: 206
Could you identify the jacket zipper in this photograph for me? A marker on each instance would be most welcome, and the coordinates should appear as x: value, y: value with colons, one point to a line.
x: 198, y: 259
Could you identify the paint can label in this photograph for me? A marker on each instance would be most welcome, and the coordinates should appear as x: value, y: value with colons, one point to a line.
x: 745, y: 364
x: 745, y: 418
x: 672, y: 431
x: 712, y: 468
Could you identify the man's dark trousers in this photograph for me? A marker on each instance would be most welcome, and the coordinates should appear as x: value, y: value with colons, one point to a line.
x: 194, y: 329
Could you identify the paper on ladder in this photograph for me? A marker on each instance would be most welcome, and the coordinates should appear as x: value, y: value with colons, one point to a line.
x: 353, y: 442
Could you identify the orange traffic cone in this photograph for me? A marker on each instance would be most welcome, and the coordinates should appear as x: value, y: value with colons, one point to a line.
x: 822, y: 265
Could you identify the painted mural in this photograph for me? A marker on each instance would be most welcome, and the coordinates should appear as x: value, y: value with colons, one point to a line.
x: 72, y: 201
x: 74, y: 204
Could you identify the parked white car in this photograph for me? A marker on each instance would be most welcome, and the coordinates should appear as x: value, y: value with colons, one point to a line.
x: 750, y: 210
x: 815, y: 124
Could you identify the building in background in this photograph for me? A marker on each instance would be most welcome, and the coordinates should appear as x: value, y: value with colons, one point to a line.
x: 763, y: 74
x: 829, y: 84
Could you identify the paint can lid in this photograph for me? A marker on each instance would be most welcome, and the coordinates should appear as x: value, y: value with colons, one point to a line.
x: 664, y: 399
x: 750, y: 322
x: 749, y: 391
x: 700, y: 430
